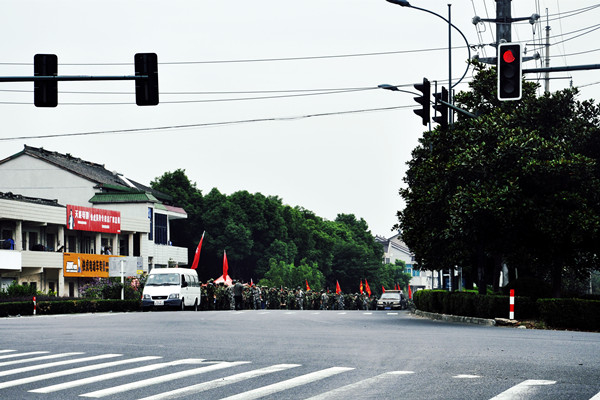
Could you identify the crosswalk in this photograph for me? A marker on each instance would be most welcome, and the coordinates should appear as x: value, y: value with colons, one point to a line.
x: 41, y: 374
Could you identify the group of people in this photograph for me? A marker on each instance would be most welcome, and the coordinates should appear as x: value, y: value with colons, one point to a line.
x: 240, y: 296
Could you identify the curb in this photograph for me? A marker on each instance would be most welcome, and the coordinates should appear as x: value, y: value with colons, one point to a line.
x: 455, y: 318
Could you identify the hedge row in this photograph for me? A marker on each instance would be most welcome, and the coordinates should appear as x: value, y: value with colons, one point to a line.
x: 557, y: 313
x: 68, y: 307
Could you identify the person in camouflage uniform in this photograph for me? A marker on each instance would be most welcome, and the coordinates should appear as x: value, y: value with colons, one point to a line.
x: 255, y: 290
x: 324, y: 301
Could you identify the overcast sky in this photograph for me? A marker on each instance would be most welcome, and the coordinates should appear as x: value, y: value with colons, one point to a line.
x: 316, y: 149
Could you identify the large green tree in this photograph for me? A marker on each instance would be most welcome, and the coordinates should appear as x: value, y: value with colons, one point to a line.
x: 518, y: 184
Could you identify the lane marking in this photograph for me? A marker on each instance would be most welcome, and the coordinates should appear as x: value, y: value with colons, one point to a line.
x: 357, y: 385
x: 48, y: 357
x: 57, y: 363
x: 216, y: 383
x: 161, y: 379
x: 31, y: 353
x: 392, y: 313
x: 288, y: 384
x: 72, y: 371
x: 596, y: 397
x: 367, y: 313
x: 518, y: 391
x: 466, y: 376
x: 116, y: 374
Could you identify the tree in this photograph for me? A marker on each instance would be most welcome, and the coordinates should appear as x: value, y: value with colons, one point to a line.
x: 518, y: 184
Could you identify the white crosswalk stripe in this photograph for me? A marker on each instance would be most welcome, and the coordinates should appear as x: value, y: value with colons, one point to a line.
x: 57, y: 363
x: 216, y: 383
x: 113, y: 375
x: 15, y: 355
x: 73, y: 371
x: 162, y: 379
x: 520, y: 390
x: 350, y: 389
x: 40, y: 358
x: 288, y: 384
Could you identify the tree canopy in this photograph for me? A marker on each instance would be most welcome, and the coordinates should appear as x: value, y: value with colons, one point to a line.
x: 519, y: 185
x: 265, y: 238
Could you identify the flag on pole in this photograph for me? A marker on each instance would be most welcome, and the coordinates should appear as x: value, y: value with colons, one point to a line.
x: 367, y: 288
x: 251, y: 282
x: 225, y: 265
x: 197, y: 255
x: 361, y: 287
x: 409, y: 292
x: 307, y: 287
x: 382, y: 289
x: 338, y: 290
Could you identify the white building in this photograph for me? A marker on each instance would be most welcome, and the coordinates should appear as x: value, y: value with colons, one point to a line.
x: 93, y: 214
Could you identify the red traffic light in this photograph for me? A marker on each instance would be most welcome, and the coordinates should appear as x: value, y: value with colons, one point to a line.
x: 508, y: 56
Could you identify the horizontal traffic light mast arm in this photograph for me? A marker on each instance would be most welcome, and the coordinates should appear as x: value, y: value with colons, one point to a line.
x: 70, y: 78
x: 460, y: 110
x: 563, y: 69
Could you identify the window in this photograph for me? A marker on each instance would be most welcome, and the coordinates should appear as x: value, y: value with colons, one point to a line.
x: 150, y: 232
x: 160, y: 228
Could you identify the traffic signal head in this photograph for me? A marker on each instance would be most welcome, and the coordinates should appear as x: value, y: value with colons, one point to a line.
x: 441, y: 108
x: 146, y: 89
x: 509, y: 71
x: 424, y: 112
x: 45, y: 92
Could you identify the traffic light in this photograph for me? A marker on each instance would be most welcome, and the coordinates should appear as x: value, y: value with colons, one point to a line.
x: 146, y: 89
x: 45, y: 93
x: 509, y: 71
x: 441, y: 108
x: 424, y: 112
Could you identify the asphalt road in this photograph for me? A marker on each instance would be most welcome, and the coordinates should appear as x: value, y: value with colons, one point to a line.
x: 289, y: 355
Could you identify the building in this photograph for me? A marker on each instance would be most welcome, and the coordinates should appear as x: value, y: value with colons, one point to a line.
x: 93, y: 214
x: 395, y: 249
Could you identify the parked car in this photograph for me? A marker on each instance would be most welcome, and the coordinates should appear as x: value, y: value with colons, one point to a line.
x: 392, y: 300
x: 176, y: 288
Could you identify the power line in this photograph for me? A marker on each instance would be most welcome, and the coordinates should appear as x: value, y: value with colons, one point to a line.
x: 204, y: 125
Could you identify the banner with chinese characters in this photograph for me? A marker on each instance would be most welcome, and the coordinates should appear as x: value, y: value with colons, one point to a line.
x: 86, y: 265
x: 93, y: 219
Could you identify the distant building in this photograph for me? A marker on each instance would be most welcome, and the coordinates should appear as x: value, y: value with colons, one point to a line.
x: 93, y: 214
x: 395, y: 249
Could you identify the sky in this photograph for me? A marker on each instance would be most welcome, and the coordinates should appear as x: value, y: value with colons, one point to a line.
x: 268, y: 96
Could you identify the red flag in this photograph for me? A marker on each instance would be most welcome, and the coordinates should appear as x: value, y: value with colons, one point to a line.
x: 197, y: 255
x: 251, y: 282
x: 382, y: 289
x: 225, y: 265
x: 367, y: 288
x: 409, y: 292
x: 397, y: 287
x: 338, y: 290
x: 307, y: 287
x: 361, y: 287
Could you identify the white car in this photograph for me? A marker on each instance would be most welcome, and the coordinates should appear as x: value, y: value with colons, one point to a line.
x: 176, y: 288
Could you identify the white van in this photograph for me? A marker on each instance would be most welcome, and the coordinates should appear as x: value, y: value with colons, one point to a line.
x: 176, y: 288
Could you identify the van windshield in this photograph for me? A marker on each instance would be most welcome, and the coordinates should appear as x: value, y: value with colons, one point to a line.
x: 162, y: 279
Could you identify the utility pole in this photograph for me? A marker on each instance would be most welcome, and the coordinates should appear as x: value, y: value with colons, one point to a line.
x: 503, y: 21
x: 547, y: 83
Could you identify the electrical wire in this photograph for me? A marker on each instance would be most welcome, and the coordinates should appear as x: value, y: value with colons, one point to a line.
x: 204, y: 125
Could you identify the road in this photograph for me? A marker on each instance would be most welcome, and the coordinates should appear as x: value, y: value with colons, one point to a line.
x: 289, y: 355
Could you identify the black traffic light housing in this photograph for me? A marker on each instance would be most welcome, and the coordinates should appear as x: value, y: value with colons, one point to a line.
x: 509, y: 71
x: 45, y: 92
x: 441, y: 108
x: 423, y: 100
x: 146, y: 89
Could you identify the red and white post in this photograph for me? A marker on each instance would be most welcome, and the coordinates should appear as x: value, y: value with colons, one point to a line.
x: 511, y: 314
x: 34, y: 305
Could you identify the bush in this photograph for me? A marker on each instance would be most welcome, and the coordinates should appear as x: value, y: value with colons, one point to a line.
x: 570, y: 313
x: 68, y: 307
x: 16, y: 308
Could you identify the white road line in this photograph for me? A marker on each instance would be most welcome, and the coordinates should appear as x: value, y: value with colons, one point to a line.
x: 288, y: 384
x: 596, y: 397
x: 367, y: 313
x: 161, y: 379
x: 72, y: 371
x: 357, y: 385
x: 216, y: 383
x: 392, y: 313
x: 116, y: 374
x: 48, y: 357
x: 466, y: 376
x: 31, y: 353
x: 518, y: 391
x: 56, y: 364
x: 341, y: 313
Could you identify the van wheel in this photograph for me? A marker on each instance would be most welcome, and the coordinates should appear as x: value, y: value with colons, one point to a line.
x: 196, y: 305
x: 182, y: 305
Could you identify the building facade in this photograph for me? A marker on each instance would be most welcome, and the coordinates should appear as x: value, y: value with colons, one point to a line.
x: 93, y: 214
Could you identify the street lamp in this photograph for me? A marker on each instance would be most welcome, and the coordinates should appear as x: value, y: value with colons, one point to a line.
x: 405, y: 3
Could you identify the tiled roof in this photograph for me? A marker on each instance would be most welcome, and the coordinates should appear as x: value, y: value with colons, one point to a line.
x: 107, y: 198
x: 25, y: 199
